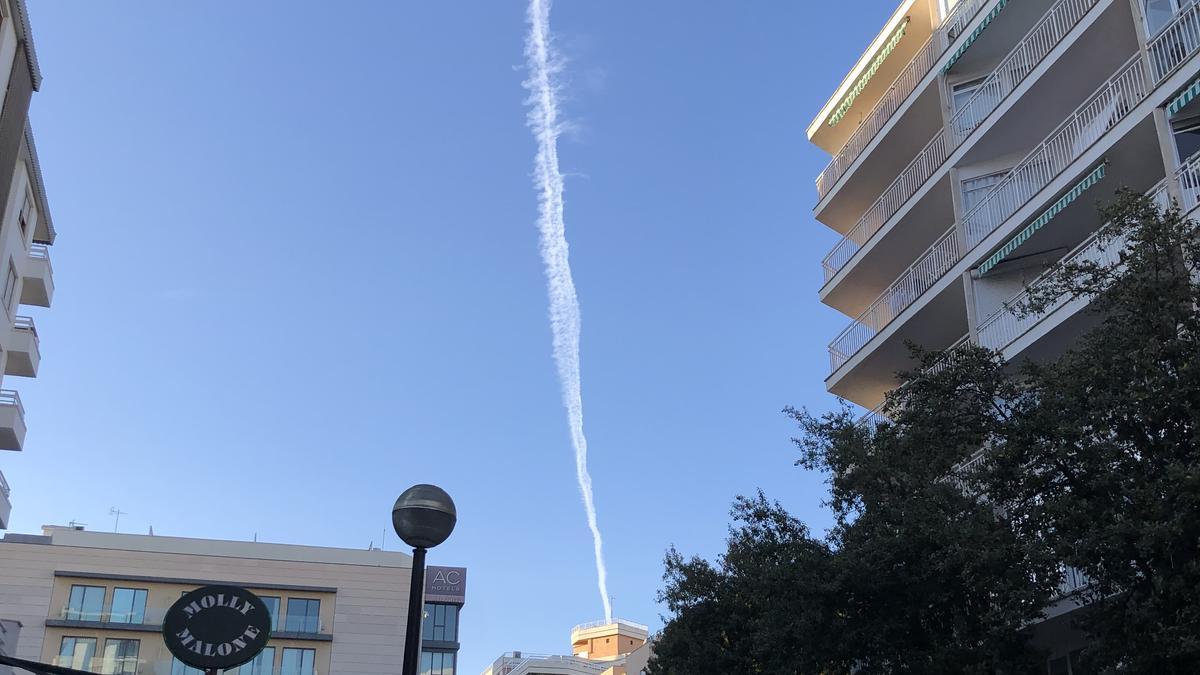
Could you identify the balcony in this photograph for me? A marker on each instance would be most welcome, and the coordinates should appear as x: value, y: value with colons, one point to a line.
x: 12, y: 420
x: 150, y: 617
x: 105, y: 665
x: 927, y: 300
x: 38, y: 289
x: 1030, y: 52
x: 896, y: 95
x: 5, y: 506
x: 23, y: 352
x: 1175, y: 43
x: 1006, y: 326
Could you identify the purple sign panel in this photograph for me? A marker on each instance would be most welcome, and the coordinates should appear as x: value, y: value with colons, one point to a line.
x: 446, y: 584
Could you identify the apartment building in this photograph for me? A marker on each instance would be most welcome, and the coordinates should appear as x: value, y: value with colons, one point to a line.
x: 969, y: 146
x: 610, y: 647
x: 26, y: 230
x: 95, y: 601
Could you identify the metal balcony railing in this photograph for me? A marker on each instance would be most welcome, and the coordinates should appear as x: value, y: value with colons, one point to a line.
x: 951, y: 354
x: 104, y: 665
x: 912, y: 283
x: 1030, y: 51
x: 903, y: 86
x: 11, y: 399
x: 1004, y: 326
x: 25, y: 323
x: 609, y: 622
x: 151, y: 616
x: 39, y: 252
x: 5, y: 491
x: 1189, y: 183
x: 1100, y: 112
x: 1175, y: 43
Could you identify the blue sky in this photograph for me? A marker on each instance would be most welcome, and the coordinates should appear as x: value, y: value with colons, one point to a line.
x: 297, y: 272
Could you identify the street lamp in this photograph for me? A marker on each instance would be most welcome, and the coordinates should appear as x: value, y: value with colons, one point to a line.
x: 424, y: 516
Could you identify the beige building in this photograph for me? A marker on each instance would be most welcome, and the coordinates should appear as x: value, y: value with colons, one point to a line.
x: 968, y: 148
x: 95, y: 601
x: 613, y: 647
x: 26, y: 230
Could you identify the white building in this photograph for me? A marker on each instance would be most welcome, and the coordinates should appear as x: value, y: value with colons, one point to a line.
x: 969, y: 146
x: 26, y: 230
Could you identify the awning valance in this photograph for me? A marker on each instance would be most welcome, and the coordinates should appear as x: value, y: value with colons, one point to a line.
x: 982, y: 26
x: 1046, y: 216
x: 844, y: 107
x: 1184, y: 98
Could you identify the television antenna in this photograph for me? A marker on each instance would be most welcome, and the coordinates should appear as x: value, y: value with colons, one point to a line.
x: 114, y: 511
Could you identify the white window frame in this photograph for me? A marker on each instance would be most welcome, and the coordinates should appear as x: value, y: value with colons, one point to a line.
x: 10, y: 288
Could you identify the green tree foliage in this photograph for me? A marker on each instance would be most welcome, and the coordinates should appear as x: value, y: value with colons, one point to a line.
x: 1101, y: 464
x: 954, y: 519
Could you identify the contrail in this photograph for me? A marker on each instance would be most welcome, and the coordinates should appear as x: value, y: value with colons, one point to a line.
x: 544, y: 64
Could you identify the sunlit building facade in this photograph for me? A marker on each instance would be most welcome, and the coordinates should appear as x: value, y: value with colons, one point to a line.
x: 95, y: 601
x: 611, y: 647
x: 26, y: 230
x: 968, y: 148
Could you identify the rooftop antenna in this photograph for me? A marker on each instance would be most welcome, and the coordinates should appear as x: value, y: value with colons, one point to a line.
x: 114, y: 511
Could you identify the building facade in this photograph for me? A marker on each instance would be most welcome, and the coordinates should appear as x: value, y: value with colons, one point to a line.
x: 96, y: 601
x: 969, y: 146
x: 611, y: 647
x: 26, y: 230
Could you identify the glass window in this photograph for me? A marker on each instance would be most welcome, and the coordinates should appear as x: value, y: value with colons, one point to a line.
x: 1158, y: 14
x: 974, y: 189
x: 297, y: 661
x: 26, y: 216
x: 76, y: 653
x: 437, y: 663
x: 440, y: 622
x: 128, y: 605
x: 180, y: 668
x: 86, y: 603
x: 263, y: 664
x: 272, y: 607
x: 946, y: 6
x: 120, y: 657
x: 10, y: 287
x: 303, y: 616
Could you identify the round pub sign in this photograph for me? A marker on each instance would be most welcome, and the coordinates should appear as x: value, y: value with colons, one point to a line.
x: 217, y: 627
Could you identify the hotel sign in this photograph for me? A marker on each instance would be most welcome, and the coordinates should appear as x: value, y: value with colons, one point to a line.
x: 446, y: 584
x: 217, y: 627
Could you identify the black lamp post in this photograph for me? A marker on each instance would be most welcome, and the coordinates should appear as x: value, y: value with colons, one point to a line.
x: 424, y: 516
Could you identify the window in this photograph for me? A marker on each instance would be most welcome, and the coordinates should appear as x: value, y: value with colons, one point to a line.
x: 128, y: 605
x: 86, y: 603
x: 974, y: 189
x: 440, y: 622
x: 272, y: 607
x: 76, y: 653
x: 946, y: 6
x: 180, y: 668
x: 303, y: 616
x: 120, y: 657
x: 10, y: 288
x: 263, y: 664
x: 26, y: 216
x: 437, y: 663
x: 1158, y: 13
x: 297, y: 661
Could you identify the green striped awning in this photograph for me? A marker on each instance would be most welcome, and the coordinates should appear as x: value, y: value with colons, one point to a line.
x: 1184, y: 98
x: 1055, y: 208
x: 974, y: 35
x: 848, y: 100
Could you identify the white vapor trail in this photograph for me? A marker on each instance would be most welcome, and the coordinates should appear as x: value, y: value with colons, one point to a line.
x: 544, y: 64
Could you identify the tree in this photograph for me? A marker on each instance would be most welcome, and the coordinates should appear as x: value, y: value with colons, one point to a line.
x: 1100, y: 464
x: 763, y: 608
x: 955, y: 517
x: 915, y: 577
